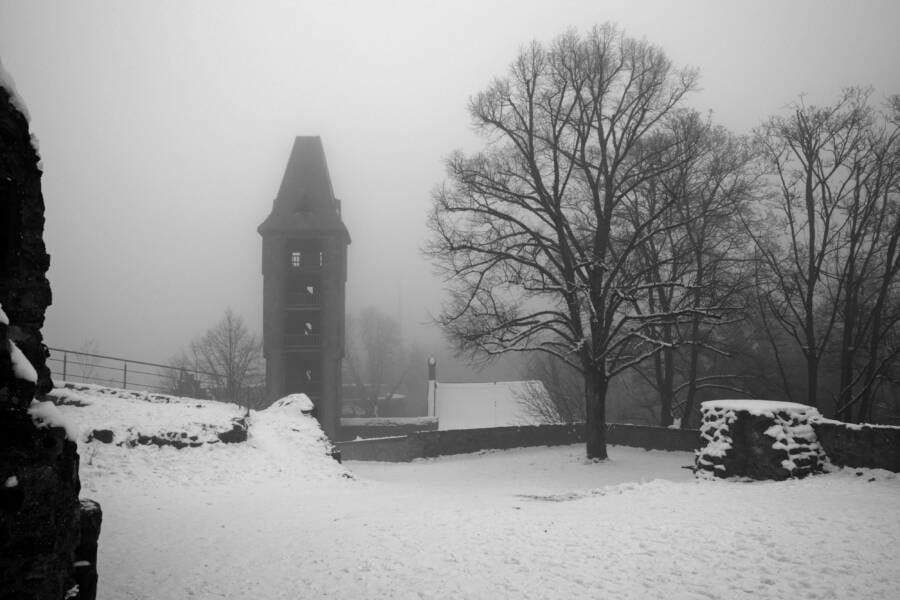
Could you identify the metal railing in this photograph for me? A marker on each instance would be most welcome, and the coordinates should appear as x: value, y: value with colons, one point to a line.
x: 302, y: 340
x: 303, y: 299
x: 116, y: 371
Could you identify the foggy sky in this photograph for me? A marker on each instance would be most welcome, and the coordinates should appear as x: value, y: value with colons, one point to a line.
x: 165, y: 127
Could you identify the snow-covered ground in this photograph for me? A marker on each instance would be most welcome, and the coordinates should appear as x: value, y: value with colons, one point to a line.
x: 274, y: 518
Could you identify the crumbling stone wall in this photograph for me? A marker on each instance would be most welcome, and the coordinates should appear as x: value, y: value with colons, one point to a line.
x: 24, y: 289
x: 40, y: 514
x: 39, y: 509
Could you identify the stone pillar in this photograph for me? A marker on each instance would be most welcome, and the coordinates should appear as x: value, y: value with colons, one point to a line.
x: 758, y: 439
x: 432, y: 387
x: 86, y: 553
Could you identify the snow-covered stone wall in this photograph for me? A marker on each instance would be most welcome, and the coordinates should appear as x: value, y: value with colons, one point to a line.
x: 427, y: 444
x: 758, y: 439
x: 860, y: 445
x: 39, y: 485
x: 378, y: 427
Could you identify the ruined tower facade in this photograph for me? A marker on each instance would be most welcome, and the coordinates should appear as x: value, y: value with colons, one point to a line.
x: 304, y: 265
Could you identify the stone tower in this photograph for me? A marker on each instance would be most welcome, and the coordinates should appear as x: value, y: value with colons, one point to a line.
x: 304, y: 265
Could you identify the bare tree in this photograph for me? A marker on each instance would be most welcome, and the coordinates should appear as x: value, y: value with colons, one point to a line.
x: 696, y: 265
x: 375, y: 357
x: 867, y: 269
x: 553, y: 392
x: 825, y: 249
x: 181, y: 379
x: 231, y: 352
x: 88, y: 361
x: 532, y: 233
x: 809, y: 154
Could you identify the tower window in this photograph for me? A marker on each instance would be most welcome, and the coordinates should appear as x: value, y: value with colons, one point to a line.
x: 295, y: 259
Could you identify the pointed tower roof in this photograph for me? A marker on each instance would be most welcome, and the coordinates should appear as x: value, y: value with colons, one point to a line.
x: 305, y: 203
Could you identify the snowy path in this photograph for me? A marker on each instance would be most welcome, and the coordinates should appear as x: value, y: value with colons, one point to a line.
x: 229, y: 522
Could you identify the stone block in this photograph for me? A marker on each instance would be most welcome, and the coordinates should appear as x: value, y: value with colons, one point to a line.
x: 758, y: 440
x: 85, y: 556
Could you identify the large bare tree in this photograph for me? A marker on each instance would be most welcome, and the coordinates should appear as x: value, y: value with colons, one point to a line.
x: 533, y: 233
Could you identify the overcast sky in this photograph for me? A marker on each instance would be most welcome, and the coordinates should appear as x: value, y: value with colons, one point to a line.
x: 165, y: 127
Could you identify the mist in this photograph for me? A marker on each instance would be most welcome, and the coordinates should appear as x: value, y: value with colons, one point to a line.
x: 165, y: 128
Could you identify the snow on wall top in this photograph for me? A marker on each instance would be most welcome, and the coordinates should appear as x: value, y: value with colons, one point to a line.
x: 6, y: 82
x: 758, y: 407
x: 858, y: 426
x: 282, y: 443
x: 128, y: 413
x: 299, y: 401
x: 386, y: 421
x: 476, y: 405
x: 45, y: 414
x: 22, y: 367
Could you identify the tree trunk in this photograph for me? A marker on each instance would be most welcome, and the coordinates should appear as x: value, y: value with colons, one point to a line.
x: 694, y: 358
x: 692, y: 375
x: 812, y: 280
x: 877, y: 334
x: 864, y: 411
x: 667, y: 393
x: 665, y: 363
x: 848, y: 350
x: 812, y: 378
x: 846, y: 388
x: 596, y: 385
x: 865, y: 406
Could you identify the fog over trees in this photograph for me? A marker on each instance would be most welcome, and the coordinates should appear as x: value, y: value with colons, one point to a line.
x: 828, y: 254
x: 608, y: 226
x: 384, y: 374
x: 177, y: 118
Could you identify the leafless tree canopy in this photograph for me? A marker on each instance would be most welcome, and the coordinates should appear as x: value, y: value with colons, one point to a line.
x: 605, y: 225
x: 536, y: 234
x: 696, y: 264
x: 828, y: 273
x: 374, y: 357
x: 554, y: 391
x: 234, y: 354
